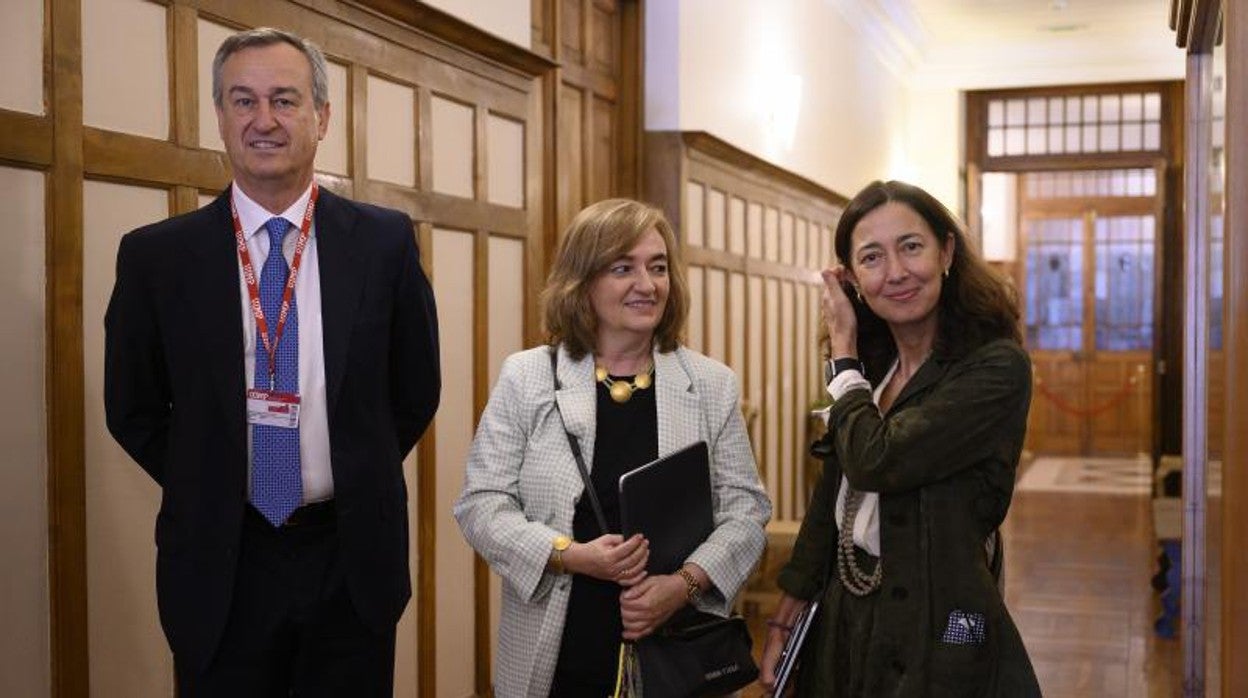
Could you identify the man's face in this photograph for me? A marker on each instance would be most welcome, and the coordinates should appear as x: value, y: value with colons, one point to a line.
x: 267, y: 119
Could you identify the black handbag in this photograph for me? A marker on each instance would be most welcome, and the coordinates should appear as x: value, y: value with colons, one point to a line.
x: 694, y: 653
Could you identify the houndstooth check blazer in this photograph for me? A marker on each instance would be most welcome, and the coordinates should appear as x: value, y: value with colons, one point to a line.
x: 521, y: 486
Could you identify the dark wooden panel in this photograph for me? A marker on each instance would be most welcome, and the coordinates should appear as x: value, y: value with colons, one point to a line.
x: 572, y: 32
x: 572, y: 179
x: 603, y: 169
x: 67, y: 505
x: 112, y: 155
x: 446, y: 211
x: 604, y: 38
x: 27, y: 138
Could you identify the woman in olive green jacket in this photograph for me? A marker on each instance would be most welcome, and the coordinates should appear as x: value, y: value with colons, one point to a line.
x: 930, y: 389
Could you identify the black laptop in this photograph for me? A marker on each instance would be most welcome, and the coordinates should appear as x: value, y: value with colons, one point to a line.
x: 668, y: 500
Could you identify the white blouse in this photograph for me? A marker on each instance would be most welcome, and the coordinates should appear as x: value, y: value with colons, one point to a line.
x: 867, y: 523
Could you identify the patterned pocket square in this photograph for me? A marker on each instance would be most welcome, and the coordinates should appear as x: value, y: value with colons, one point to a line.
x: 964, y: 628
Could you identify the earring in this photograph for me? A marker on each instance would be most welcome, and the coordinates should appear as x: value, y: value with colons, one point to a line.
x: 946, y: 272
x: 858, y: 292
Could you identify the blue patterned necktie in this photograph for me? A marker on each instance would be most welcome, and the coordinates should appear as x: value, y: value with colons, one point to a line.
x: 276, y: 483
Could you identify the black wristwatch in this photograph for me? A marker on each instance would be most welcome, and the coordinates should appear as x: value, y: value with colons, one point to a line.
x: 834, y: 367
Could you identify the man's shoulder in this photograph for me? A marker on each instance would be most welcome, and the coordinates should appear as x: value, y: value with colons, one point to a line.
x: 175, y: 227
x: 369, y: 213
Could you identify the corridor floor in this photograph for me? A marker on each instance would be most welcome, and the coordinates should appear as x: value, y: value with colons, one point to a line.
x: 1078, y: 567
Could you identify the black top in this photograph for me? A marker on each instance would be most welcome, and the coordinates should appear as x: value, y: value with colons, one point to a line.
x: 627, y: 436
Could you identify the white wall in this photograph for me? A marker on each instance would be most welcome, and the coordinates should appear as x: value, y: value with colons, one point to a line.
x: 735, y: 66
x: 877, y: 100
x: 24, y: 642
x: 509, y: 19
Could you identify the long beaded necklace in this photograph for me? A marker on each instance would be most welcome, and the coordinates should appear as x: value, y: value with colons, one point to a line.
x: 622, y: 390
x: 852, y: 577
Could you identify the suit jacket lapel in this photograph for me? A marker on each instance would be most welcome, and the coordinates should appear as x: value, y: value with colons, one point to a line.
x: 212, y: 294
x: 342, y: 282
x: 676, y: 403
x: 577, y: 398
x: 930, y: 372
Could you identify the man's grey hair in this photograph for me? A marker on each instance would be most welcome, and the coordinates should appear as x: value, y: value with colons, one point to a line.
x: 267, y: 36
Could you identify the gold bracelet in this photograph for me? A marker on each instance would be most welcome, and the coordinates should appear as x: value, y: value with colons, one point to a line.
x: 692, y: 590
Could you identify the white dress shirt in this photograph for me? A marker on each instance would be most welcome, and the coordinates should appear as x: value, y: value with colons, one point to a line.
x: 318, y: 477
x: 867, y: 523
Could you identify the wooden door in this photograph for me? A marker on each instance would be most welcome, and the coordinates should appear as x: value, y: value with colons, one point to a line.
x: 1089, y: 283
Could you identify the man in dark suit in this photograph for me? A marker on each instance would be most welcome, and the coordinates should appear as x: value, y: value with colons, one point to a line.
x: 270, y: 359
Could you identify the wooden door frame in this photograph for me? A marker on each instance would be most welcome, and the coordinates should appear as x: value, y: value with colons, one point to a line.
x: 1166, y: 377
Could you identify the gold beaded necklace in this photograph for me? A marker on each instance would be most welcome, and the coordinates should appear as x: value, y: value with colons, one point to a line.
x: 622, y: 390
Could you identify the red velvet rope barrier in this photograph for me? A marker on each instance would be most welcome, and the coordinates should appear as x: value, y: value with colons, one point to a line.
x: 1064, y: 406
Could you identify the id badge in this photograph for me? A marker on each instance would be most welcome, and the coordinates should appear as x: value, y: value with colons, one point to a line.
x: 273, y: 409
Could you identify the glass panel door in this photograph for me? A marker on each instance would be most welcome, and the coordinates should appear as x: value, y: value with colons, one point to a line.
x: 1089, y: 276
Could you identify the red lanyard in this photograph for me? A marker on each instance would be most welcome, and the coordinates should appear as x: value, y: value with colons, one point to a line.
x: 253, y: 288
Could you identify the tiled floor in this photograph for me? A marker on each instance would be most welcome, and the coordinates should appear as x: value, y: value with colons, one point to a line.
x: 1128, y: 476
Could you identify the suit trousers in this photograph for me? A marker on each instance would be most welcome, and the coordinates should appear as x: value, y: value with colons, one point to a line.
x: 293, y: 629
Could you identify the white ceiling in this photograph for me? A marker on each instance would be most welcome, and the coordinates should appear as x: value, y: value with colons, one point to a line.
x: 1005, y: 43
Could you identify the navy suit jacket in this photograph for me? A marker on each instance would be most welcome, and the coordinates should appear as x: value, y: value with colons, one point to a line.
x: 174, y: 399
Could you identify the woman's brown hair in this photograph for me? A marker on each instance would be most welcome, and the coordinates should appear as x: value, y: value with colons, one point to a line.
x: 599, y: 235
x: 976, y: 305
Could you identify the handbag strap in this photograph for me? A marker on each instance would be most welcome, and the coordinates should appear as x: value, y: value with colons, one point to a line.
x: 576, y: 446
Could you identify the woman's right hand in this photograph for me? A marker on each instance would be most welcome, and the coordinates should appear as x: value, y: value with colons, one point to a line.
x: 610, y: 558
x: 778, y: 628
x: 838, y: 313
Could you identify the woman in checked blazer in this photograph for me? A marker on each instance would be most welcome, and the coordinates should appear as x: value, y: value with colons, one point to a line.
x: 614, y: 305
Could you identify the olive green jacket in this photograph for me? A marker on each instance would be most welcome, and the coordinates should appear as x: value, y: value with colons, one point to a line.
x: 943, y: 460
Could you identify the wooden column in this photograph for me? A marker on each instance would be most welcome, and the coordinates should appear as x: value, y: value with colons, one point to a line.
x: 67, y: 508
x: 1234, y: 478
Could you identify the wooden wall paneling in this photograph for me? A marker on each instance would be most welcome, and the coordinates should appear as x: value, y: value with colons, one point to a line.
x: 426, y: 532
x: 391, y: 119
x: 184, y: 75
x: 604, y: 153
x: 539, y: 211
x: 695, y: 333
x: 424, y: 139
x: 357, y: 147
x: 596, y: 102
x: 753, y: 382
x: 572, y: 31
x: 665, y: 172
x: 629, y: 100
x: 28, y: 139
x: 480, y: 395
x: 571, y: 148
x: 66, y: 476
x: 716, y: 314
x: 543, y: 16
x: 121, y: 156
x: 787, y: 367
x: 458, y: 44
x: 802, y: 386
x: 771, y: 406
x: 742, y: 216
x: 1234, y: 577
x: 481, y: 156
